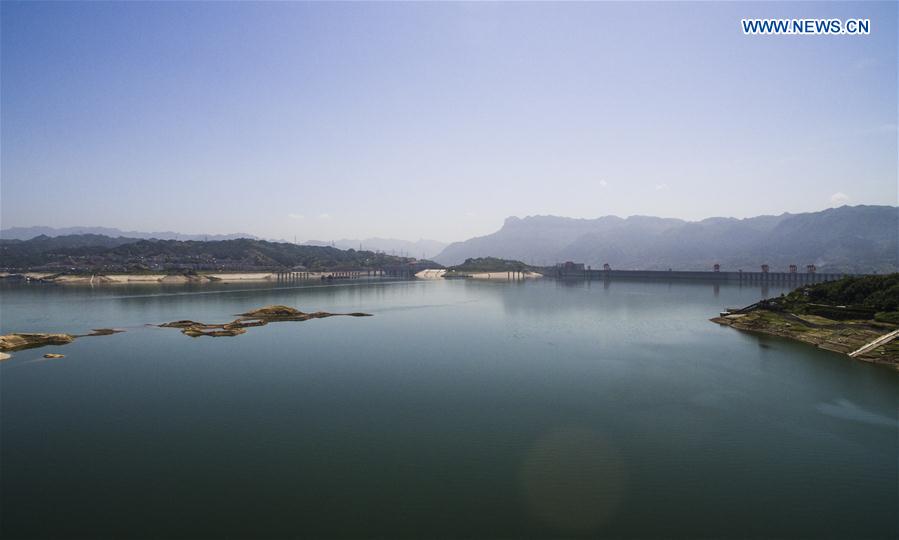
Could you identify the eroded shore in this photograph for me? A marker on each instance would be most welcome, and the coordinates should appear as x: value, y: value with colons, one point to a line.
x: 844, y: 337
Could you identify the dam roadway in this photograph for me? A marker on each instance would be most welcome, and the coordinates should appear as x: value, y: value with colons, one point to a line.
x: 731, y: 277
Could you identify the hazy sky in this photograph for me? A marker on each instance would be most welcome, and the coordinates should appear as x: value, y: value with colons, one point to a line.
x: 435, y: 120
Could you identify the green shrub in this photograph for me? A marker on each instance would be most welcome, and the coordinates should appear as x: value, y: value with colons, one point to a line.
x: 878, y: 293
x: 887, y: 317
x: 839, y: 314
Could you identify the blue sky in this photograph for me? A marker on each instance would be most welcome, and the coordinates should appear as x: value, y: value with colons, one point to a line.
x: 408, y: 120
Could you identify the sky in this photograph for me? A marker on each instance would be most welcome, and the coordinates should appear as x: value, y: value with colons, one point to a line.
x: 434, y: 120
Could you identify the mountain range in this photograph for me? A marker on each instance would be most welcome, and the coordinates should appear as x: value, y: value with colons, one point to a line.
x: 855, y: 239
x: 852, y: 239
x: 423, y: 248
x: 27, y: 233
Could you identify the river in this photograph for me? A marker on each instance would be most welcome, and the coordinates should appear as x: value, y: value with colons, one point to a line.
x: 460, y: 409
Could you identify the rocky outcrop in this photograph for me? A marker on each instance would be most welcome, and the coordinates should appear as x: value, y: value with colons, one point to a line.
x: 256, y: 317
x: 17, y: 342
x: 275, y: 311
x: 213, y: 330
x: 102, y: 332
x: 197, y: 329
x: 284, y: 313
x: 184, y: 323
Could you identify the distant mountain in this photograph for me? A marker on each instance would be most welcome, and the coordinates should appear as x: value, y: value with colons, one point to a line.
x: 44, y: 243
x: 858, y: 239
x: 27, y: 233
x: 423, y: 248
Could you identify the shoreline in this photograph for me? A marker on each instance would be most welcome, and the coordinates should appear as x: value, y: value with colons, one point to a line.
x: 497, y: 276
x: 234, y: 277
x: 845, y: 337
x: 508, y: 276
x: 159, y: 278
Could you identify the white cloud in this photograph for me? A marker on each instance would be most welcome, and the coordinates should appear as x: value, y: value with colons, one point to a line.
x: 839, y: 199
x: 603, y: 184
x: 295, y: 216
x: 324, y: 216
x: 661, y: 187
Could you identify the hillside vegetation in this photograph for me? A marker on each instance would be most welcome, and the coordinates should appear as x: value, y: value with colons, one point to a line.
x: 861, y: 297
x: 90, y: 253
x: 491, y: 264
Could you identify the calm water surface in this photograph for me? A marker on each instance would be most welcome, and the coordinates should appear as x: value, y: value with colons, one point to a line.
x: 461, y: 409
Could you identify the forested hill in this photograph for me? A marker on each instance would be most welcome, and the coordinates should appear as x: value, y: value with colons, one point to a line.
x: 97, y: 253
x: 878, y: 294
x: 492, y: 264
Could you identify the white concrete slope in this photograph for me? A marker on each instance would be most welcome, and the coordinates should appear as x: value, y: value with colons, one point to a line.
x: 882, y: 340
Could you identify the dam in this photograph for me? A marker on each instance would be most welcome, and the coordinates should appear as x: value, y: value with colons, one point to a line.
x: 579, y: 271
